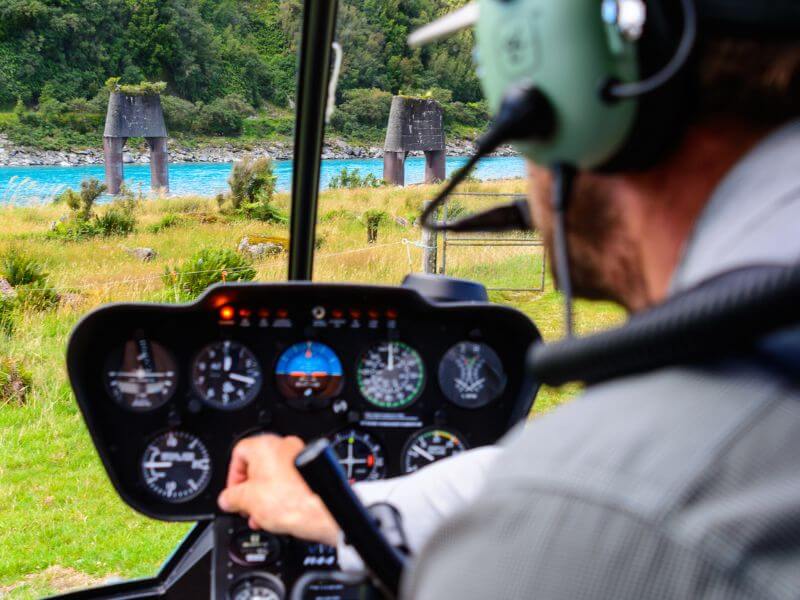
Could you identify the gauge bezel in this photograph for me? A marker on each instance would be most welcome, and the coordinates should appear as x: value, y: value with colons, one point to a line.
x: 314, y: 401
x: 460, y: 403
x: 410, y: 399
x: 238, y: 557
x: 107, y: 379
x: 419, y: 433
x: 381, y: 469
x: 253, y: 575
x: 207, y: 474
x: 251, y: 394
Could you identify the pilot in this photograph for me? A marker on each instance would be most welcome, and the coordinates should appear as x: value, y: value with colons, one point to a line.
x: 677, y: 483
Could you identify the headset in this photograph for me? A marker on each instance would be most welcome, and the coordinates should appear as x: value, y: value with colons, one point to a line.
x: 600, y: 85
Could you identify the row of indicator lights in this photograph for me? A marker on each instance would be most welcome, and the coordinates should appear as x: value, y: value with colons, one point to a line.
x: 228, y: 313
x: 318, y: 312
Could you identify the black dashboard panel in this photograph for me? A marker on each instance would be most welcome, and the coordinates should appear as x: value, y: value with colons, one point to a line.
x: 154, y: 397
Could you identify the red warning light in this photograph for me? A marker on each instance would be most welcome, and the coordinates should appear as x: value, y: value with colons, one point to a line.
x: 282, y: 313
x: 391, y: 314
x: 337, y: 314
x: 263, y: 313
x: 355, y: 314
x: 245, y: 312
x: 226, y: 313
x: 373, y: 314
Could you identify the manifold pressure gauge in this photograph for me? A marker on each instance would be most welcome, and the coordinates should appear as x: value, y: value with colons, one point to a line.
x: 226, y: 375
x: 176, y: 467
x: 141, y: 375
x: 429, y: 446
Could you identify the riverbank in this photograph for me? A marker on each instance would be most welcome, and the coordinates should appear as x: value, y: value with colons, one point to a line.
x: 12, y: 155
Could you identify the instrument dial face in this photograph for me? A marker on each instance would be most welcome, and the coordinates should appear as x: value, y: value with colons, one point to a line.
x: 141, y: 375
x: 226, y: 375
x: 391, y: 375
x: 360, y: 455
x: 254, y: 548
x: 259, y: 587
x: 471, y: 375
x: 309, y: 371
x: 429, y: 446
x: 176, y: 467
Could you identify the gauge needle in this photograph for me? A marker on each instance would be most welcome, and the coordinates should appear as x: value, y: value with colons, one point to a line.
x: 242, y: 378
x: 227, y: 363
x: 426, y: 455
x: 390, y: 365
x: 157, y: 465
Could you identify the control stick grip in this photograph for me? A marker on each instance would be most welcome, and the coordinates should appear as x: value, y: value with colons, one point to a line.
x: 318, y: 465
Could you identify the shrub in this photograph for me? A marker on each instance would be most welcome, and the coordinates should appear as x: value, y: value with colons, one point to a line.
x: 179, y: 114
x: 205, y: 268
x: 166, y: 222
x: 352, y: 180
x: 15, y: 382
x: 7, y: 306
x: 19, y: 269
x: 252, y: 180
x: 36, y: 296
x: 373, y: 219
x: 223, y: 116
x: 264, y: 211
x: 363, y: 113
x: 118, y: 219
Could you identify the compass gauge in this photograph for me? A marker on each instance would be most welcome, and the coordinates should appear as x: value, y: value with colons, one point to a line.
x: 471, y: 375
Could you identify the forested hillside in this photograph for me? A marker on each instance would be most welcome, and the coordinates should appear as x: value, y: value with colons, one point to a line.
x: 55, y: 55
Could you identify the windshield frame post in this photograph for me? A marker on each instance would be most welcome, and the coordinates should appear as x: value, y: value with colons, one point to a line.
x: 319, y: 26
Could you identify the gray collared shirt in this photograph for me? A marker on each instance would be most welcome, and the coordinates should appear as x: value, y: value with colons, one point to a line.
x: 682, y: 483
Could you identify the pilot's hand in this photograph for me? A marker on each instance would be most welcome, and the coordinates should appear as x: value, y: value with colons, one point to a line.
x: 265, y: 487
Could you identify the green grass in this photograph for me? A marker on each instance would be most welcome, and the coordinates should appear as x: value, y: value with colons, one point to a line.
x: 61, y: 524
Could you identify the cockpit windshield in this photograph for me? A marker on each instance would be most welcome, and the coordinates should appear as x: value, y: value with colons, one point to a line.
x: 147, y: 152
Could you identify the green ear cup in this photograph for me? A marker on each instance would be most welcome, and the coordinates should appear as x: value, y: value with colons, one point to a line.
x: 566, y: 50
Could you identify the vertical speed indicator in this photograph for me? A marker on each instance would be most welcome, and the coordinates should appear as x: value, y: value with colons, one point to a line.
x: 391, y: 375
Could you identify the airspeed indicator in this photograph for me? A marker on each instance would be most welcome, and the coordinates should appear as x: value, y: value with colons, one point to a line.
x: 391, y: 375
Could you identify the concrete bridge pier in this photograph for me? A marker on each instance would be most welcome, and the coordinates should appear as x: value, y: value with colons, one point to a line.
x: 113, y: 148
x: 415, y: 125
x: 159, y: 164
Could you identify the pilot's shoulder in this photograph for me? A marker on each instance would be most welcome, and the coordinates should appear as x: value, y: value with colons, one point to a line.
x: 647, y: 443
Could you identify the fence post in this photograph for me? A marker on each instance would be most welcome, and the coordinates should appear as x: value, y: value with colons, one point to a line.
x: 430, y: 242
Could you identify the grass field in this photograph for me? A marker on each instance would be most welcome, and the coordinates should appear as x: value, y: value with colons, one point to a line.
x: 61, y: 524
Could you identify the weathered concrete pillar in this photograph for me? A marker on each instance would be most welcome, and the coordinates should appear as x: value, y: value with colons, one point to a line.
x: 159, y: 164
x: 394, y: 168
x: 113, y: 148
x: 135, y: 115
x: 415, y: 124
x: 435, y: 162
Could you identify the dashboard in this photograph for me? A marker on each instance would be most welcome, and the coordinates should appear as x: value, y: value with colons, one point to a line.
x: 395, y: 381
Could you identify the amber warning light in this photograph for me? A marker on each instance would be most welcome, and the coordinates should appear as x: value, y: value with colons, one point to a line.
x: 226, y: 313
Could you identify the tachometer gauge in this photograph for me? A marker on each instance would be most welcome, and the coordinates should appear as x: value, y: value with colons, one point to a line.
x: 391, y: 375
x: 176, y: 466
x: 226, y: 375
x: 141, y: 375
x: 471, y: 375
x: 309, y: 373
x: 428, y: 446
x: 258, y: 587
x: 359, y: 454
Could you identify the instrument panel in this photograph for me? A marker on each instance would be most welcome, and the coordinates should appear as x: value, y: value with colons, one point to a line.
x: 394, y: 380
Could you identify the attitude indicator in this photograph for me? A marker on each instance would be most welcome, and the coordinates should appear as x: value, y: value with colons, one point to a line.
x: 309, y: 373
